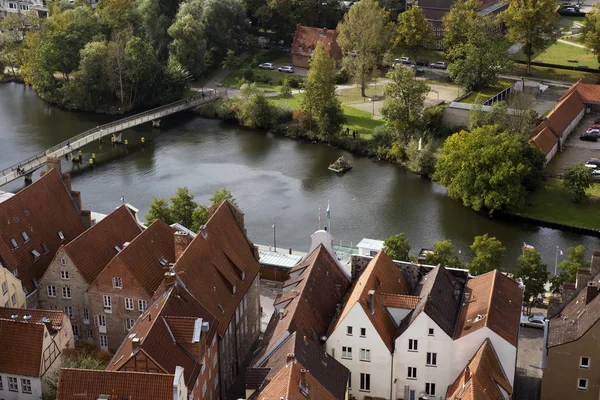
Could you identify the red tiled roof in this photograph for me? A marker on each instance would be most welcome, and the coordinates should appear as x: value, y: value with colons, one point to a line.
x: 55, y: 317
x: 545, y: 140
x: 399, y: 300
x: 217, y: 263
x: 22, y: 344
x: 286, y: 385
x: 86, y: 384
x: 41, y: 210
x: 482, y: 378
x: 307, y: 37
x: 92, y: 250
x: 588, y: 93
x: 141, y: 256
x: 381, y: 276
x: 565, y: 112
x: 182, y: 328
x: 494, y: 302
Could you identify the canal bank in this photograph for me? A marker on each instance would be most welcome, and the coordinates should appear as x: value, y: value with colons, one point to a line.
x: 275, y: 179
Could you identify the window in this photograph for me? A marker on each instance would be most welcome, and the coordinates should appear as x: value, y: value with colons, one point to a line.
x: 581, y: 384
x: 430, y: 332
x: 61, y: 235
x: 365, y: 355
x: 1, y: 384
x: 86, y: 315
x: 118, y: 283
x: 413, y: 345
x: 163, y: 261
x: 66, y: 292
x: 349, y: 379
x: 13, y: 298
x: 129, y: 322
x: 12, y: 5
x: 584, y: 362
x: 45, y: 247
x: 365, y: 382
x: 36, y: 254
x: 142, y: 305
x: 4, y: 288
x: 128, y: 303
x: 103, y: 341
x: 16, y: 272
x: 76, y: 330
x: 347, y: 352
x: 25, y: 236
x: 90, y: 334
x: 63, y: 261
x: 107, y: 304
x: 51, y: 291
x: 204, y: 389
x: 15, y: 245
x: 13, y: 384
x: 430, y: 388
x: 349, y: 330
x: 431, y: 359
x: 6, y: 304
x: 64, y: 274
x: 69, y: 311
x: 412, y: 373
x: 363, y: 332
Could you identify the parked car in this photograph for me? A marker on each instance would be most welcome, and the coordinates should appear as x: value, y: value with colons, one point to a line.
x: 288, y: 68
x: 533, y: 321
x: 596, y: 173
x: 439, y: 65
x: 594, y: 126
x: 589, y: 137
x: 402, y: 60
x: 593, y: 130
x: 594, y: 161
x: 418, y: 69
x: 422, y: 63
x: 266, y: 66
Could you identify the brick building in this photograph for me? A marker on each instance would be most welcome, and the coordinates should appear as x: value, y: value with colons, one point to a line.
x: 121, y: 292
x: 35, y: 222
x: 220, y: 269
x: 76, y: 265
x: 306, y: 39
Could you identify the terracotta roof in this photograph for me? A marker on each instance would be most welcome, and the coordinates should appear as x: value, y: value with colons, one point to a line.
x: 482, y: 378
x: 565, y: 112
x: 311, y: 311
x: 287, y: 385
x: 308, y: 37
x: 55, y: 317
x: 545, y: 139
x: 577, y: 317
x: 588, y: 93
x: 380, y: 276
x: 141, y: 257
x: 86, y: 384
x: 93, y: 249
x: 219, y: 265
x: 399, y: 300
x: 22, y: 344
x: 494, y: 302
x: 329, y: 372
x: 182, y: 328
x: 156, y: 340
x: 41, y: 210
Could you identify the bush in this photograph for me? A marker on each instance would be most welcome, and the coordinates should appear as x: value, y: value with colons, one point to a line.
x: 282, y: 114
x: 577, y: 179
x: 342, y: 76
x: 286, y: 90
x: 432, y: 122
x: 295, y: 83
x: 249, y: 75
x: 256, y: 112
x: 382, y: 136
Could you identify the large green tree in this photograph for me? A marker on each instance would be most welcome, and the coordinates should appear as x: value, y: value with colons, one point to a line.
x: 532, y: 23
x: 403, y: 105
x: 321, y: 108
x: 225, y: 27
x: 577, y: 179
x: 366, y: 30
x: 591, y: 33
x: 460, y: 22
x: 533, y: 273
x: 397, y: 247
x: 182, y: 206
x: 189, y: 39
x: 443, y: 254
x: 485, y: 168
x: 487, y: 254
x: 159, y: 209
x: 414, y: 33
x: 568, y: 267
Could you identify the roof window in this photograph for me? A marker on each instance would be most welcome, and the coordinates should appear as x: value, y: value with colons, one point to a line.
x: 61, y: 235
x: 14, y: 243
x: 16, y: 219
x: 35, y: 254
x: 221, y: 308
x: 26, y: 212
x: 45, y: 247
x: 25, y: 236
x: 163, y: 261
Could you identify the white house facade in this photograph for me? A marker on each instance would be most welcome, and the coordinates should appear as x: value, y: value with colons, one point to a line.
x: 20, y: 387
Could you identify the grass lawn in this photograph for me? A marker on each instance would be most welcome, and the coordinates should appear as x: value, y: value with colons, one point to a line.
x: 567, y: 23
x: 554, y: 74
x: 552, y: 203
x: 353, y: 96
x: 560, y: 53
x: 275, y: 76
x: 483, y: 95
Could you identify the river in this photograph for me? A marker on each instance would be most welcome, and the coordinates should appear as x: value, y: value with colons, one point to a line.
x: 274, y: 179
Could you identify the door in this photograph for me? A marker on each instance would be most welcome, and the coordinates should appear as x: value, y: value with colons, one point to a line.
x: 413, y: 395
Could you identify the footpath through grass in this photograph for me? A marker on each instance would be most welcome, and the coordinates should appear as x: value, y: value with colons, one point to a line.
x: 552, y: 203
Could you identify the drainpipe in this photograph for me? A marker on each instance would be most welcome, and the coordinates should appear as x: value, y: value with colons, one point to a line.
x: 392, y: 377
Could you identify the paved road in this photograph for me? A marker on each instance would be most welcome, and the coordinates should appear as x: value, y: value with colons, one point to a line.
x: 529, y: 362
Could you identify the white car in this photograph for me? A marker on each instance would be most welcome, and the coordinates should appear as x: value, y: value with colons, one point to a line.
x: 402, y: 60
x: 288, y: 68
x: 266, y: 66
x: 439, y: 65
x: 592, y: 130
x: 533, y: 321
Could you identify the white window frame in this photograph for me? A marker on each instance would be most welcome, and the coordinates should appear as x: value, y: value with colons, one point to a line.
x: 51, y: 290
x: 13, y: 384
x: 347, y: 352
x: 128, y: 323
x: 129, y: 304
x: 583, y: 388
x: 107, y: 302
x: 365, y: 382
x: 61, y: 235
x: 15, y: 245
x: 430, y: 388
x: 431, y: 360
x: 581, y: 365
x: 103, y: 341
x: 35, y: 254
x: 64, y: 275
x: 4, y: 288
x: 117, y: 282
x: 412, y: 373
x: 348, y: 330
x: 25, y: 237
x: 68, y: 310
x: 365, y: 355
x: 66, y: 292
x: 142, y: 305
x: 413, y: 345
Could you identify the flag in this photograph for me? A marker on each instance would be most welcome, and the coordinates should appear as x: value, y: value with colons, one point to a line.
x: 560, y: 252
x: 327, y: 212
x: 528, y: 246
x: 273, y: 225
x: 319, y: 214
x: 122, y: 199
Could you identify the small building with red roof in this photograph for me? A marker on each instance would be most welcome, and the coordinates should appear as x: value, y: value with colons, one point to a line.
x: 305, y: 41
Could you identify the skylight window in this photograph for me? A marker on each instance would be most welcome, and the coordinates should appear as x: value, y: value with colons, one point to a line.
x: 117, y: 248
x: 35, y: 254
x: 25, y: 236
x: 61, y: 235
x: 14, y: 243
x: 163, y: 261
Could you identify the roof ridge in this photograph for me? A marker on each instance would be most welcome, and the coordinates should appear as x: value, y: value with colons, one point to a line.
x: 95, y: 371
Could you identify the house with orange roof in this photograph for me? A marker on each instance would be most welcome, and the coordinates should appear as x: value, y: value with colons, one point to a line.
x: 77, y: 263
x: 305, y: 41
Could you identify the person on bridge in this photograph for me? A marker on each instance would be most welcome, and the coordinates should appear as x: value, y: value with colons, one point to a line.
x: 68, y: 145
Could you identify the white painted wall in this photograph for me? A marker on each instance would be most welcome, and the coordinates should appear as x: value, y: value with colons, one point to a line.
x: 466, y: 347
x: 36, y: 388
x: 381, y: 360
x: 439, y: 343
x: 398, y: 313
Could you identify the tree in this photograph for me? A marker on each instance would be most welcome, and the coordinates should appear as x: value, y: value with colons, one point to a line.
x: 286, y: 89
x: 256, y: 112
x: 404, y: 98
x: 414, y: 32
x: 533, y: 273
x: 487, y: 255
x: 397, y: 247
x: 159, y: 209
x: 485, y: 168
x: 577, y: 179
x: 225, y: 28
x: 231, y: 61
x: 532, y: 23
x: 183, y: 206
x: 12, y: 31
x: 320, y: 103
x: 365, y: 29
x: 568, y: 267
x: 221, y: 195
x: 443, y: 254
x: 199, y: 217
x: 189, y: 42
x: 461, y: 22
x: 591, y: 31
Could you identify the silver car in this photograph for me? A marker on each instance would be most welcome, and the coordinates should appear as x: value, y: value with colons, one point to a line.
x: 288, y: 68
x: 533, y: 321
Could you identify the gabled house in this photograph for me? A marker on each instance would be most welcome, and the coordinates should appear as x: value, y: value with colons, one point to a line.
x: 34, y: 223
x: 362, y: 336
x: 174, y: 332
x: 32, y: 342
x: 124, y: 288
x: 305, y: 41
x: 76, y: 265
x: 87, y: 384
x: 12, y: 293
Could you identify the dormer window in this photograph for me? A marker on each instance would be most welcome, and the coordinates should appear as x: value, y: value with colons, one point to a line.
x: 25, y: 237
x: 26, y: 212
x: 45, y: 247
x: 117, y: 248
x: 117, y: 283
x: 243, y: 275
x: 14, y: 243
x: 35, y: 254
x: 16, y: 219
x: 61, y: 235
x: 163, y: 261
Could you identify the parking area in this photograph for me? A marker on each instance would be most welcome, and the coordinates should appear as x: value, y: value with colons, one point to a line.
x: 576, y: 150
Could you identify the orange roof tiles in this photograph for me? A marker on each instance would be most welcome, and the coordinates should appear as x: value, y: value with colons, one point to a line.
x: 307, y: 37
x: 494, y: 302
x: 55, y: 317
x: 588, y: 93
x: 545, y: 140
x: 565, y: 112
x: 399, y: 300
x: 219, y: 265
x: 482, y: 379
x: 381, y: 276
x: 41, y: 210
x: 93, y: 249
x: 22, y: 344
x: 85, y: 384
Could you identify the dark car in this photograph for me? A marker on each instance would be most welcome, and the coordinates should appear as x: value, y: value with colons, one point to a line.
x: 422, y: 63
x: 418, y: 69
x: 589, y: 137
x: 594, y: 161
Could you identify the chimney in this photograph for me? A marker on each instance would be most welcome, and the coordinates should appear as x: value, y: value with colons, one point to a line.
x: 568, y: 292
x: 370, y: 301
x: 54, y: 163
x: 170, y: 278
x: 86, y: 216
x: 303, y: 383
x: 182, y: 240
x: 76, y: 196
x: 290, y: 358
x: 135, y: 343
x: 591, y: 292
x: 582, y: 278
x: 595, y: 262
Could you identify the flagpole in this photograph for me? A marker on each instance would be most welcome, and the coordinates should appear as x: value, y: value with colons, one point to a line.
x: 328, y: 217
x: 319, y: 218
x: 556, y: 261
x: 274, y: 238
